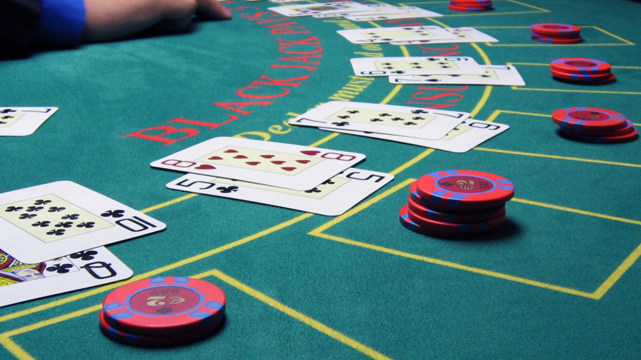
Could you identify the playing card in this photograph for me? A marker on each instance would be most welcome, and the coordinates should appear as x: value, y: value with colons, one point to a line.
x: 319, y: 8
x: 387, y: 34
x: 386, y: 66
x: 464, y: 137
x: 372, y: 9
x: 22, y: 121
x: 385, y: 119
x: 408, y: 12
x: 269, y: 163
x: 28, y: 281
x: 51, y: 220
x: 457, y: 35
x: 494, y: 75
x: 331, y: 198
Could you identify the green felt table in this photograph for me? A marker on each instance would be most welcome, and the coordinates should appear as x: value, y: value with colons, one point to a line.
x: 558, y: 280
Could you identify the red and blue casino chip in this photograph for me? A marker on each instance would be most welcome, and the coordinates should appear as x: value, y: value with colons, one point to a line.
x: 588, y: 120
x: 556, y: 29
x: 467, y: 8
x: 408, y: 223
x: 464, y: 190
x: 577, y: 77
x: 455, y: 217
x: 549, y: 40
x: 163, y: 306
x: 532, y: 33
x: 436, y: 227
x: 581, y: 66
x: 154, y: 341
x: 616, y: 139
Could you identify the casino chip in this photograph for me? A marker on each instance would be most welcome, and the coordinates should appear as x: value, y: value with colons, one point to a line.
x: 582, y: 71
x: 594, y: 125
x: 470, y: 5
x: 581, y: 66
x: 165, y: 306
x: 456, y: 203
x: 464, y: 190
x: 552, y: 33
x: 154, y: 341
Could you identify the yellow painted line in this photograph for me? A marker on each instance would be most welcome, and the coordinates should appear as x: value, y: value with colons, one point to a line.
x: 319, y: 230
x: 13, y: 348
x: 325, y: 139
x: 301, y: 317
x: 618, y: 273
x: 614, y: 36
x: 577, y: 211
x: 160, y: 270
x: 605, y: 162
x: 496, y: 113
x: 413, y: 161
x: 167, y: 203
x: 392, y: 94
x: 603, y: 288
x: 457, y: 266
x: 18, y: 352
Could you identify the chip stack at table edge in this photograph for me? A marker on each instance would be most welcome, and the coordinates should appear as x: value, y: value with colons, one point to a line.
x: 162, y: 311
x: 589, y: 124
x: 582, y: 71
x: 470, y: 5
x: 554, y: 33
x: 455, y: 203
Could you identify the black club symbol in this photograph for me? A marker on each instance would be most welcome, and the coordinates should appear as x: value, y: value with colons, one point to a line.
x: 71, y: 217
x: 397, y: 119
x: 84, y: 255
x: 340, y: 123
x: 86, y: 225
x: 34, y: 208
x: 41, y: 223
x: 227, y: 189
x: 41, y: 202
x: 314, y: 190
x: 56, y: 208
x: 343, y: 116
x: 113, y: 213
x: 26, y: 216
x: 376, y: 120
x: 13, y: 208
x: 352, y: 111
x: 328, y: 182
x: 56, y: 232
x: 409, y: 123
x: 64, y: 224
x: 60, y: 268
x: 419, y: 111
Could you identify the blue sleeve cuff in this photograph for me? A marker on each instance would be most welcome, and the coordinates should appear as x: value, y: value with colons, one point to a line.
x: 62, y: 22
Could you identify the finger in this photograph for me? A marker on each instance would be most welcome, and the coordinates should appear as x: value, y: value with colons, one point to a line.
x: 213, y: 9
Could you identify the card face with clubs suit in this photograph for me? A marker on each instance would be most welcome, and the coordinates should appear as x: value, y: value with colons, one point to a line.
x: 47, y: 221
x: 385, y: 119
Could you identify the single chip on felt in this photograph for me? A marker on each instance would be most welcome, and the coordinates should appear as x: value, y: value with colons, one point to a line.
x: 163, y: 306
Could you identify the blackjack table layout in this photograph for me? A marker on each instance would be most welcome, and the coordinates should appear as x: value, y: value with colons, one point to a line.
x: 558, y: 279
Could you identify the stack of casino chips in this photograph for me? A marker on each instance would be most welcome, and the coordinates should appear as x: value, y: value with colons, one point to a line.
x: 582, y: 71
x: 455, y: 203
x: 470, y: 5
x: 594, y: 125
x: 552, y: 33
x: 162, y: 311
